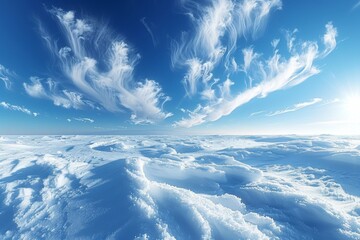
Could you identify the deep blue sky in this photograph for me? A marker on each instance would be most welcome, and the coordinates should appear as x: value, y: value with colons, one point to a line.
x: 158, y: 66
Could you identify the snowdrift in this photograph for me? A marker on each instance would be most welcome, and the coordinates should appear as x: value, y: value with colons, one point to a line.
x: 167, y: 187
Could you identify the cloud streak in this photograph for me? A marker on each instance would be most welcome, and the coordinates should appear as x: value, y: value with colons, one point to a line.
x: 99, y: 67
x: 356, y: 5
x: 273, y: 74
x: 5, y: 76
x: 148, y: 29
x: 85, y: 120
x: 11, y: 107
x: 256, y: 113
x: 296, y: 107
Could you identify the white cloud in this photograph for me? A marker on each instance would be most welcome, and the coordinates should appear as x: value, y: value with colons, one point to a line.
x: 274, y: 74
x: 148, y: 29
x: 100, y: 67
x: 331, y: 101
x: 86, y: 120
x: 49, y: 89
x: 5, y: 76
x: 18, y: 108
x: 290, y: 39
x: 296, y: 107
x: 356, y: 5
x: 249, y: 56
x: 329, y: 38
x: 256, y: 113
x: 191, y: 78
x: 217, y: 30
x: 148, y: 109
x: 275, y: 43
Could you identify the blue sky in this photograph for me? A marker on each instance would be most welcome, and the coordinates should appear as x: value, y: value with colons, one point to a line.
x: 180, y: 67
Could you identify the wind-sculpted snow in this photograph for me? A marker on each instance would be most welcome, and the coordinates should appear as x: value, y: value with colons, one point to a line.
x: 167, y: 187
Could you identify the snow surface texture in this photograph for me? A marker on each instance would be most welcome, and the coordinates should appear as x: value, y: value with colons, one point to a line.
x: 163, y: 187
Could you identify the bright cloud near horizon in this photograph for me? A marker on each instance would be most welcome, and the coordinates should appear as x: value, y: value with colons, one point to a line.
x: 197, y: 67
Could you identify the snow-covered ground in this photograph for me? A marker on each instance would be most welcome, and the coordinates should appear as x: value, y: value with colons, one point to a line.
x: 167, y: 187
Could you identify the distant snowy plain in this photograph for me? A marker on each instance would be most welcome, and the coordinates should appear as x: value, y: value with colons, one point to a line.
x: 168, y: 187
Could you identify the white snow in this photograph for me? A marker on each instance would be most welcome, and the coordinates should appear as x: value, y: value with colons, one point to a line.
x: 188, y: 187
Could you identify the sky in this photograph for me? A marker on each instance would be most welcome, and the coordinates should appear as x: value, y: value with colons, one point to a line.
x: 180, y: 67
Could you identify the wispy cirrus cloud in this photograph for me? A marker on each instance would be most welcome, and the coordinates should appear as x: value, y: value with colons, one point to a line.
x: 256, y: 113
x: 5, y: 76
x: 49, y: 89
x: 99, y: 66
x: 329, y: 39
x: 18, y: 108
x: 218, y: 27
x: 295, y: 107
x: 356, y: 5
x: 273, y: 74
x: 148, y: 29
x: 85, y: 120
x: 331, y: 101
x: 298, y: 106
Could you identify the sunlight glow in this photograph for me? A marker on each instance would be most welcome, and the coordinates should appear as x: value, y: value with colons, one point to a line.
x: 352, y: 107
